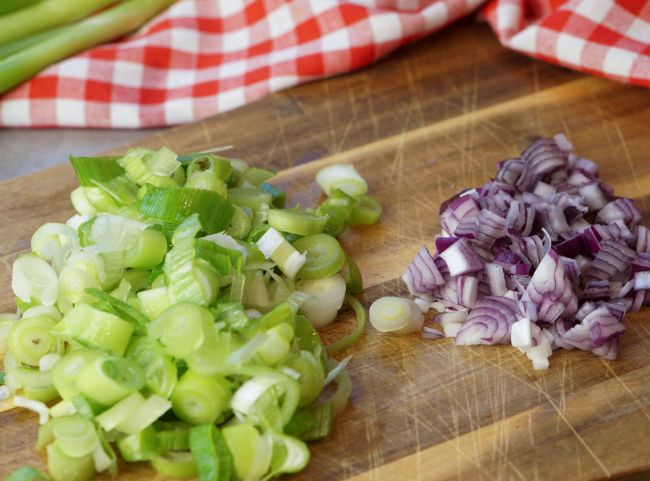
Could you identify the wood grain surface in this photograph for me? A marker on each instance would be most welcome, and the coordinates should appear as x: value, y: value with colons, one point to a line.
x: 420, y: 125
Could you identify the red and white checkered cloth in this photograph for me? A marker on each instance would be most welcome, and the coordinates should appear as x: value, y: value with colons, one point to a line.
x: 202, y: 57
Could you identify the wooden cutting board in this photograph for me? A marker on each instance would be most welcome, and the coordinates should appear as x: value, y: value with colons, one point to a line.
x: 420, y: 125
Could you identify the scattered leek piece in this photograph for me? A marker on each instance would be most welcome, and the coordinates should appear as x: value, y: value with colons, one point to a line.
x: 211, y: 453
x: 347, y: 341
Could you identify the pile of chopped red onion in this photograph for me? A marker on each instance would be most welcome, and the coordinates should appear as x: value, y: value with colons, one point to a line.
x: 542, y: 257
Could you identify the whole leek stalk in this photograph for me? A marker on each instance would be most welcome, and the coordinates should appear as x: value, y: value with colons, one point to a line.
x: 11, y: 5
x: 46, y: 15
x: 103, y: 27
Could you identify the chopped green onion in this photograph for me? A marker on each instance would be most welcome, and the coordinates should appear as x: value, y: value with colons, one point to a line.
x: 290, y: 455
x: 145, y: 415
x: 312, y: 376
x: 186, y: 281
x: 301, y: 223
x: 141, y: 446
x: 172, y: 436
x: 120, y: 412
x: 63, y: 408
x: 66, y: 468
x: 211, y: 453
x: 366, y: 211
x: 324, y: 254
x: 149, y: 251
x: 278, y: 197
x: 27, y: 473
x: 159, y: 369
x: 96, y: 329
x: 256, y: 176
x: 220, y: 167
x: 343, y: 390
x: 35, y: 406
x: 50, y: 238
x: 343, y: 177
x: 311, y: 423
x: 31, y: 339
x: 251, y: 452
x: 179, y: 465
x: 75, y: 436
x: 253, y: 401
x: 65, y: 372
x: 251, y: 197
x: 36, y: 385
x: 277, y: 344
x: 152, y: 302
x: 347, y: 341
x: 326, y: 298
x: 241, y: 223
x: 175, y: 205
x: 109, y: 380
x: 396, y: 314
x: 352, y: 275
x: 338, y: 207
x: 276, y: 248
x: 90, y: 170
x: 199, y: 399
x: 34, y: 280
x: 124, y: 311
x: 181, y: 329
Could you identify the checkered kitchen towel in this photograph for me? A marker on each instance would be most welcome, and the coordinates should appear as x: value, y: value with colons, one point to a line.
x: 202, y: 57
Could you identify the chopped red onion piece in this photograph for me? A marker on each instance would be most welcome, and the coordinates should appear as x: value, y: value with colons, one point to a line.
x: 585, y: 165
x: 558, y: 330
x: 430, y: 333
x: 521, y: 216
x: 496, y: 279
x: 533, y: 248
x: 578, y: 179
x: 619, y: 231
x: 461, y: 258
x: 442, y: 243
x: 643, y: 239
x: 620, y: 209
x: 466, y: 228
x: 597, y: 332
x: 520, y: 333
x: 641, y: 263
x: 624, y: 290
x: 594, y: 196
x: 422, y: 275
x: 595, y: 290
x: 613, y: 257
x: 510, y: 171
x: 451, y: 329
x: 490, y: 228
x: 551, y: 290
x: 459, y: 316
x: 489, y: 322
x: 562, y: 142
x: 462, y: 208
x: 466, y: 291
x: 585, y: 309
x: 618, y: 307
x: 642, y: 280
